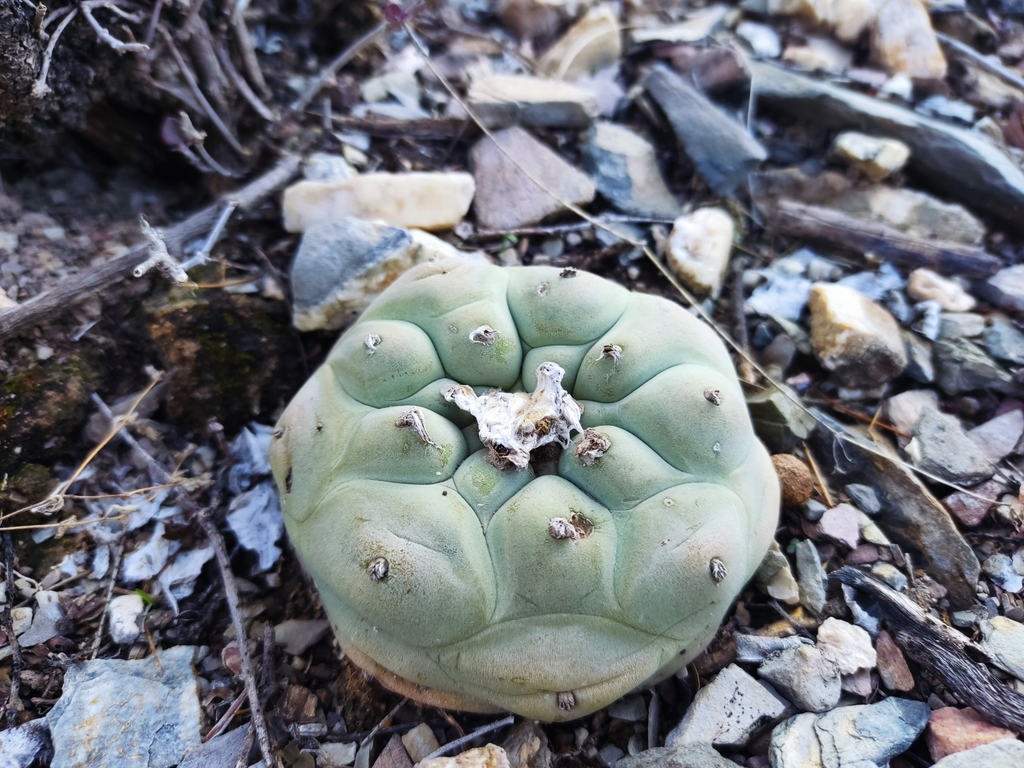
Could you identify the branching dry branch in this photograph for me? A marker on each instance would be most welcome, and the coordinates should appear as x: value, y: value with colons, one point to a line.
x: 108, y: 38
x: 88, y: 282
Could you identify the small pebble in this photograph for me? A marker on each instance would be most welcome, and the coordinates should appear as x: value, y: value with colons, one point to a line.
x: 848, y: 646
x: 926, y: 285
x: 892, y: 665
x: 840, y: 525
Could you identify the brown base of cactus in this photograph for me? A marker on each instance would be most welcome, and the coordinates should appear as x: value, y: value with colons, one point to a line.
x: 432, y: 697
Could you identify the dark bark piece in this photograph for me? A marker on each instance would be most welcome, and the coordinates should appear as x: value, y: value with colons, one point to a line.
x: 911, y: 516
x: 849, y: 233
x: 946, y: 653
x: 72, y: 290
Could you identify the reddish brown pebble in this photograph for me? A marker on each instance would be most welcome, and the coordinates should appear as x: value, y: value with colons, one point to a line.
x: 952, y: 730
x: 892, y: 667
x: 840, y: 524
x: 970, y: 510
x: 794, y: 477
x: 865, y: 554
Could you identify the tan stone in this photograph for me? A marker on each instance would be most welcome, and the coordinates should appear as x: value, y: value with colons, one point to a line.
x: 502, y: 100
x: 876, y: 158
x: 925, y: 285
x: 699, y: 249
x: 854, y: 337
x: 490, y: 756
x: 952, y: 730
x: 420, y: 742
x: 424, y: 200
x: 592, y: 43
x: 904, y: 43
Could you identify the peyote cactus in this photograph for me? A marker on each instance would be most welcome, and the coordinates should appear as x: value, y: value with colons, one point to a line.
x: 524, y: 488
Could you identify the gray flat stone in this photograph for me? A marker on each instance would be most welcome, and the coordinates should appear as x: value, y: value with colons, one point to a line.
x: 506, y: 198
x: 1003, y: 639
x: 1003, y: 341
x: 328, y: 274
x: 689, y: 756
x: 999, y: 437
x: 723, y: 150
x: 961, y: 366
x: 624, y: 167
x: 727, y: 712
x: 129, y: 714
x: 964, y: 164
x: 811, y: 576
x: 1005, y: 288
x: 942, y: 447
x: 223, y: 751
x: 805, y: 676
x: 1004, y: 753
x: 755, y: 648
x: 869, y: 734
x: 630, y: 708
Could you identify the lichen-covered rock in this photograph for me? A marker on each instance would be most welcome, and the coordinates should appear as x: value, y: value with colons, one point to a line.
x: 584, y: 534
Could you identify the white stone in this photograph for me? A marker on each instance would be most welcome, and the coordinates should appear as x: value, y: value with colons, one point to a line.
x: 592, y: 43
x: 783, y: 587
x: 21, y: 619
x: 819, y: 53
x: 489, y: 756
x: 6, y: 302
x: 847, y: 645
x: 502, y: 100
x: 125, y: 611
x: 425, y: 200
x: 762, y: 39
x: 697, y: 26
x: 925, y: 285
x: 699, y: 249
x: 420, y: 742
x: 297, y: 635
x: 8, y: 241
x: 903, y: 41
x: 337, y: 755
x: 875, y: 157
x: 324, y: 166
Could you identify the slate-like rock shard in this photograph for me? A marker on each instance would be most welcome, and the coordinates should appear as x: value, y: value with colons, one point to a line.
x: 723, y: 151
x: 964, y: 164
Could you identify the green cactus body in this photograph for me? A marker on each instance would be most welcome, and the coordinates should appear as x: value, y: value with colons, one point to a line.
x: 606, y: 562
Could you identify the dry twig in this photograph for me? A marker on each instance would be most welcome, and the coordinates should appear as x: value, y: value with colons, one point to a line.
x: 193, y: 84
x: 84, y: 284
x: 452, y: 745
x: 40, y: 88
x: 332, y: 68
x: 946, y: 653
x: 108, y: 38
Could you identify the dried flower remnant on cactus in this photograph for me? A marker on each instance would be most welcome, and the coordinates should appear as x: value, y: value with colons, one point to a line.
x: 530, y: 464
x: 514, y: 424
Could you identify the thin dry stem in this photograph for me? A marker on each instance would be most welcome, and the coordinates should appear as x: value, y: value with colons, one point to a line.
x: 106, y: 602
x: 40, y: 88
x: 239, y: 82
x: 108, y: 38
x: 332, y: 68
x: 193, y: 84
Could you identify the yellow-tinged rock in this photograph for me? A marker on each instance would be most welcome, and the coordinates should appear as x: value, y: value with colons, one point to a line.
x: 489, y: 756
x: 592, y: 43
x: 904, y: 43
x: 854, y: 337
x: 424, y: 200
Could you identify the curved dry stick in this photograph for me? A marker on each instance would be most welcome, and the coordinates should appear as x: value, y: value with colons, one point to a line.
x: 943, y: 651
